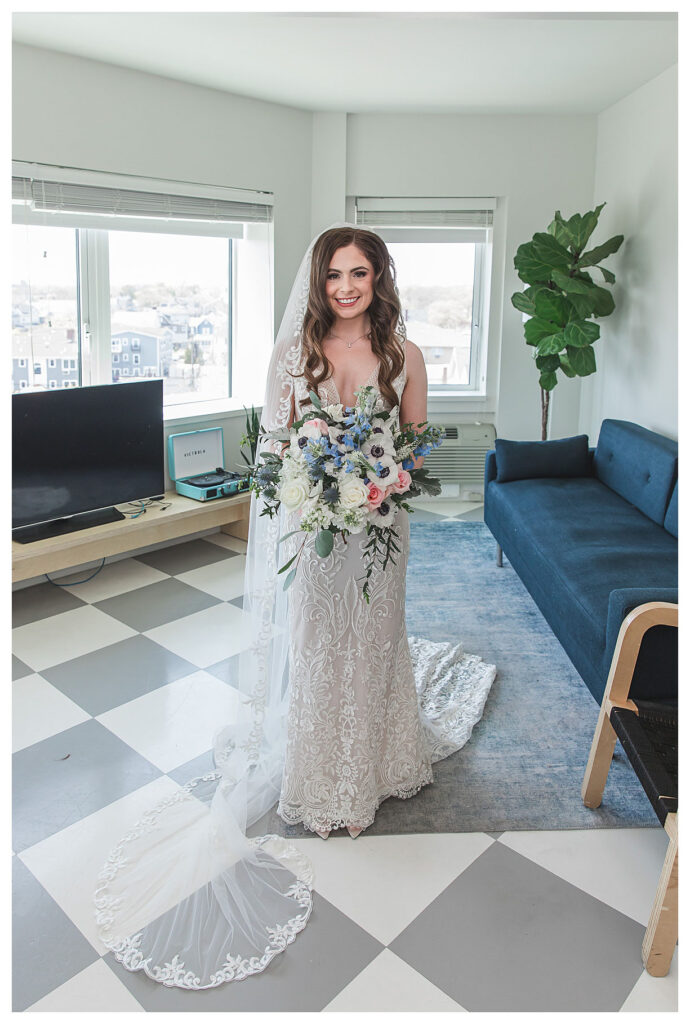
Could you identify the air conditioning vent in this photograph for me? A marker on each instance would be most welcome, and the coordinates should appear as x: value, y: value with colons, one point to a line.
x: 460, y: 458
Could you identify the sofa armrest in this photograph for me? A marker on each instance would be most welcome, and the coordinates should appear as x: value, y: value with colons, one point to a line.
x: 656, y: 673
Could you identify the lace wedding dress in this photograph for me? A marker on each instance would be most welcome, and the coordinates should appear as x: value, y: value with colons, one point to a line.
x: 370, y: 709
x: 337, y: 709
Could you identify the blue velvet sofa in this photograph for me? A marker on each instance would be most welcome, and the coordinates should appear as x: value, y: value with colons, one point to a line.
x: 592, y: 533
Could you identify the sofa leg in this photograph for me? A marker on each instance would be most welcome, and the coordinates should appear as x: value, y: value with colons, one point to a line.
x: 662, y: 931
x: 600, y: 757
x: 499, y: 555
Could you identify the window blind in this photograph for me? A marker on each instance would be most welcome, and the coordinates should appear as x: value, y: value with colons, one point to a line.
x: 58, y: 195
x: 406, y: 211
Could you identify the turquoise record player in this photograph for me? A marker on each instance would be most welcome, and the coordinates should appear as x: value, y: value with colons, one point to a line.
x: 195, y: 464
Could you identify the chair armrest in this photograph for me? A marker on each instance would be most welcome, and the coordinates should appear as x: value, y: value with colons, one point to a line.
x: 490, y: 468
x: 632, y: 612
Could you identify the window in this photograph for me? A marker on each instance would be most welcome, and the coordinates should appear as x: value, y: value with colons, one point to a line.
x: 135, y: 264
x: 52, y: 363
x: 442, y: 253
x: 135, y: 359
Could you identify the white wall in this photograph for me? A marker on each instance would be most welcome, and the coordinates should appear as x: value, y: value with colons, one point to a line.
x: 535, y: 165
x: 637, y: 174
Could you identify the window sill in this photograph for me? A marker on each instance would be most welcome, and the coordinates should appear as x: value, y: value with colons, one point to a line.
x: 203, y: 412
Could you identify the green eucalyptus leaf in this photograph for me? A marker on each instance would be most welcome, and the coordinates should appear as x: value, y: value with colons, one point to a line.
x: 548, y: 380
x: 287, y: 564
x: 324, y: 543
x: 315, y: 399
x: 582, y: 360
x: 289, y: 578
x: 581, y: 332
x: 286, y: 535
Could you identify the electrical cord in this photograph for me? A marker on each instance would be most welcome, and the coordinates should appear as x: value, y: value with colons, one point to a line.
x: 143, y: 507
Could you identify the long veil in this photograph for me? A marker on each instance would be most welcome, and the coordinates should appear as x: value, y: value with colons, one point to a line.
x: 185, y: 896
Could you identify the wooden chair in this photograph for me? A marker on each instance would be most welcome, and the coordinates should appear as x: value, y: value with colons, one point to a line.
x: 648, y: 734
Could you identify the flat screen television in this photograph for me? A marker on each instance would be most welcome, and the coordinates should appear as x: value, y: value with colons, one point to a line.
x: 77, y: 452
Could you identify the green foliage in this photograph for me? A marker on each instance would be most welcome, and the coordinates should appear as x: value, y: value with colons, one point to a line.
x: 561, y: 296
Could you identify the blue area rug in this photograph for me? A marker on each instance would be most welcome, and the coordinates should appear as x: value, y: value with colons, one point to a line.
x: 523, y: 766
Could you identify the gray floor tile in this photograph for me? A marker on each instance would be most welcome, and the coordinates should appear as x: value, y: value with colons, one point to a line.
x: 183, y: 557
x: 47, y: 949
x: 474, y: 515
x: 321, y: 961
x: 38, y: 602
x: 494, y: 835
x: 508, y: 935
x: 19, y: 669
x: 229, y: 669
x: 198, y: 766
x: 151, y: 606
x: 118, y: 673
x: 68, y: 776
x: 420, y: 515
x: 237, y: 601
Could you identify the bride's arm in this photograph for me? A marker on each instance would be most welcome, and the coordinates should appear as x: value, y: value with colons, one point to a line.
x: 414, y: 397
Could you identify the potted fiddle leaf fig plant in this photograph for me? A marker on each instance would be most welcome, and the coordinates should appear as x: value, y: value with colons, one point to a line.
x: 562, y: 298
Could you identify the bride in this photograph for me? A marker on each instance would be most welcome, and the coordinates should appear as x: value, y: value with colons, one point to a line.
x: 338, y: 709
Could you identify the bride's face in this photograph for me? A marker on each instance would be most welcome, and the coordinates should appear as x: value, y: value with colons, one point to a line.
x: 349, y: 282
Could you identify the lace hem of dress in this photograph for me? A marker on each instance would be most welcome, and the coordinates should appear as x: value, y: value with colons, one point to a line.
x: 297, y: 815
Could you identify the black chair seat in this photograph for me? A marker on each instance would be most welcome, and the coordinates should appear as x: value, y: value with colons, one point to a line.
x: 650, y: 739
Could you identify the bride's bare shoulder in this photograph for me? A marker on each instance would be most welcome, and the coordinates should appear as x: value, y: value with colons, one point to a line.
x: 413, y: 355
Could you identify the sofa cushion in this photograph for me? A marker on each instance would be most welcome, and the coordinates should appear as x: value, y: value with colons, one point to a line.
x: 638, y: 464
x: 523, y: 460
x: 671, y: 517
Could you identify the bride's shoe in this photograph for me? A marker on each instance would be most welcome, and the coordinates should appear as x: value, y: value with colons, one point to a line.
x: 354, y: 832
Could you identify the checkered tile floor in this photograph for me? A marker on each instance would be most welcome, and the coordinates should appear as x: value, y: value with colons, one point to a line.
x: 118, y: 685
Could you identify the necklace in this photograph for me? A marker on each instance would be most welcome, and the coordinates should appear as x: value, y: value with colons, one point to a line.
x: 349, y: 343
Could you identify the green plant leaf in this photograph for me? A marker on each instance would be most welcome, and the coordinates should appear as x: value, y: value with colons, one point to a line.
x: 581, y: 332
x: 287, y: 564
x: 529, y: 266
x: 552, y: 344
x: 323, y: 543
x: 551, y: 305
x: 565, y: 365
x: 523, y: 302
x: 536, y: 329
x: 548, y: 380
x: 558, y: 229
x: 551, y: 362
x: 315, y: 399
x: 550, y: 251
x: 581, y: 226
x: 608, y: 276
x: 289, y: 578
x: 582, y: 360
x: 286, y: 535
x: 600, y: 252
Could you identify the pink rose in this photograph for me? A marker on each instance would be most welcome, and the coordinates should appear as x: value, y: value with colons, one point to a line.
x: 319, y: 425
x: 403, y: 482
x: 376, y: 496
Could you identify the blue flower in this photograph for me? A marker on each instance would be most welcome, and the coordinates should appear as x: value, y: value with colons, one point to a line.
x: 408, y: 463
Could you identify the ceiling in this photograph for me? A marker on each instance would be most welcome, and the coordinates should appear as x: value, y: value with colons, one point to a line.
x: 511, y: 63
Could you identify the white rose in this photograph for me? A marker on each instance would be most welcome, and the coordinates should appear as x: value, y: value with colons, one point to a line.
x: 335, y: 411
x: 293, y: 493
x: 353, y: 492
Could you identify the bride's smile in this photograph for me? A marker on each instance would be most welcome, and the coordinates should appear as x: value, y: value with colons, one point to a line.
x: 350, y: 285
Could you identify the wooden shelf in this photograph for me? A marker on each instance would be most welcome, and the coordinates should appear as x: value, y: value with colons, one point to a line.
x: 157, y: 524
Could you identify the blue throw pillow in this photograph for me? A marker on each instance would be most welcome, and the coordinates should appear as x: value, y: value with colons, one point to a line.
x: 524, y: 460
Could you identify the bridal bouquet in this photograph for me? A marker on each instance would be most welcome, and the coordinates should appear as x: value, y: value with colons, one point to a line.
x: 345, y: 470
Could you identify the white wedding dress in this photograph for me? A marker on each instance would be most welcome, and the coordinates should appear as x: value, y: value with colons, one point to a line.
x: 370, y: 709
x: 337, y: 710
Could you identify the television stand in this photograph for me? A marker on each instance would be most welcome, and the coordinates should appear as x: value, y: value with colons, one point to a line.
x: 66, y: 524
x: 182, y: 517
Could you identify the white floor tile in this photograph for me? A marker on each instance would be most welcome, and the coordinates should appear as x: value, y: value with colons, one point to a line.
x: 226, y: 540
x: 39, y: 710
x: 223, y: 580
x: 618, y: 866
x: 388, y: 984
x: 117, y: 578
x: 384, y: 882
x: 655, y: 994
x: 175, y: 723
x: 67, y: 863
x: 205, y: 637
x: 65, y: 636
x: 95, y: 988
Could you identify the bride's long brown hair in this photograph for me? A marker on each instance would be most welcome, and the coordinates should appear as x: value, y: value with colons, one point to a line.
x: 387, y: 328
